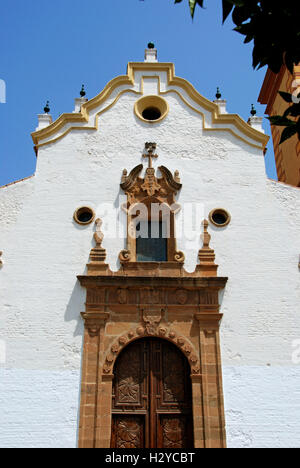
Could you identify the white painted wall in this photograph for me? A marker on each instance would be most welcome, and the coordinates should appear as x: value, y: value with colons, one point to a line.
x: 44, y: 250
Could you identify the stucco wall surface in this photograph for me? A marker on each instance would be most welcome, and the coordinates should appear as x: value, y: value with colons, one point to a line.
x: 44, y: 250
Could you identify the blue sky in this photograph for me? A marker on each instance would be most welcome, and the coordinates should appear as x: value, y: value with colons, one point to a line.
x: 49, y: 48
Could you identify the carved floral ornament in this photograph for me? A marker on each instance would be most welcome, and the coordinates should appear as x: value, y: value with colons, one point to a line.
x: 152, y: 328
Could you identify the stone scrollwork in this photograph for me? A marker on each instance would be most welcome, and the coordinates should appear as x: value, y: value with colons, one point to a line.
x: 152, y: 328
x: 125, y: 256
x: 179, y: 257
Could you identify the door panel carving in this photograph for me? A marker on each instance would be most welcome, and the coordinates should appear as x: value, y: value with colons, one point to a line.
x: 175, y: 432
x: 173, y: 370
x: 152, y: 401
x: 128, y: 432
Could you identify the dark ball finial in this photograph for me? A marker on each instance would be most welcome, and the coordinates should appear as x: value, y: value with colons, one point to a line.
x: 253, y: 110
x: 151, y: 45
x: 47, y: 108
x: 82, y: 92
x: 218, y: 95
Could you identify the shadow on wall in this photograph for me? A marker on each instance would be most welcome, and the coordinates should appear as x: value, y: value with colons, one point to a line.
x: 75, y: 306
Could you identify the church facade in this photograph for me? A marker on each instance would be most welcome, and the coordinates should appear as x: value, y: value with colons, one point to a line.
x: 150, y: 278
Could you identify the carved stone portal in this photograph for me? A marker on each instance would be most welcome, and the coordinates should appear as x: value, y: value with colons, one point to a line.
x: 158, y: 302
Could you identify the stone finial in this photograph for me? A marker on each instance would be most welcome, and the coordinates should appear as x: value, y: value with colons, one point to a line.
x: 207, y: 266
x: 150, y: 148
x: 81, y: 100
x: 98, y: 253
x: 47, y: 108
x: 206, y: 235
x: 82, y: 92
x: 177, y: 176
x: 221, y: 102
x: 44, y: 120
x: 218, y: 95
x: 151, y: 53
x: 253, y: 110
x: 98, y: 236
x: 255, y: 121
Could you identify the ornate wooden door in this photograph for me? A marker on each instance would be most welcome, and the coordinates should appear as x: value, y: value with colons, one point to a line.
x: 152, y: 401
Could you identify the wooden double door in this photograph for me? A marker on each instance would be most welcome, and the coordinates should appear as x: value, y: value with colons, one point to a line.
x: 152, y: 398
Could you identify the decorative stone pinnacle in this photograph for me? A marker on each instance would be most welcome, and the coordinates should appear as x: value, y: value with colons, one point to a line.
x: 98, y: 253
x: 98, y: 236
x: 150, y: 148
x: 151, y: 53
x: 253, y: 110
x: 47, y: 108
x: 218, y: 95
x: 82, y: 92
x: 206, y: 236
x: 207, y: 256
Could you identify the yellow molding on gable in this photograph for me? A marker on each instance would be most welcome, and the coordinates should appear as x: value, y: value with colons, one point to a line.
x: 128, y: 80
x: 87, y: 128
x: 216, y: 119
x: 83, y: 115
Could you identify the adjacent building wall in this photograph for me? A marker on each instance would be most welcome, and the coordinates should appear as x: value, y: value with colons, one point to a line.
x: 287, y: 155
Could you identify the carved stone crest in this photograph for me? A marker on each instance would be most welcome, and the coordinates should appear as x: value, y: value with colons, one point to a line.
x: 152, y: 319
x: 150, y: 184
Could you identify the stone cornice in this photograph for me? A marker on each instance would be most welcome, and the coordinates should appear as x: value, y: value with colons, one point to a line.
x: 156, y: 281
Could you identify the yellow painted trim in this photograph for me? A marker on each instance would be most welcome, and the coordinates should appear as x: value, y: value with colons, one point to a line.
x: 128, y: 80
x: 214, y: 120
x: 96, y: 119
x: 83, y: 116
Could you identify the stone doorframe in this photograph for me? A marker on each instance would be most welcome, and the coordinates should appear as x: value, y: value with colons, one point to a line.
x: 180, y: 307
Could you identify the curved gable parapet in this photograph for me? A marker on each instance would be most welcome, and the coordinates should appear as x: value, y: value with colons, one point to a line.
x: 137, y: 81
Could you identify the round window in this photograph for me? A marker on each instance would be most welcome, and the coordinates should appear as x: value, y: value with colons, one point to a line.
x: 219, y: 217
x: 84, y: 215
x: 151, y: 109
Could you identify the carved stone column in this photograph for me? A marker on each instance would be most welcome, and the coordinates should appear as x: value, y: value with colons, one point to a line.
x: 198, y: 414
x: 212, y: 386
x: 104, y: 412
x: 93, y: 342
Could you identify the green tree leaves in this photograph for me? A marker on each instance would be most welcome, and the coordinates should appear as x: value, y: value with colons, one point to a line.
x: 272, y: 26
x: 274, y: 29
x: 292, y: 126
